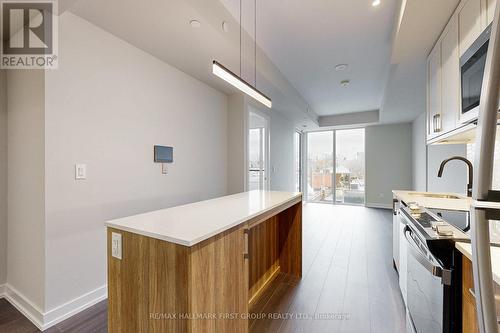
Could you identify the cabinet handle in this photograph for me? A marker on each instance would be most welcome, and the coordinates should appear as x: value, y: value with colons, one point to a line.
x: 472, y: 293
x: 437, y: 123
x: 246, y: 255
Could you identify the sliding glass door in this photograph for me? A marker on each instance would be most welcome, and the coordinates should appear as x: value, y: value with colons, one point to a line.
x: 350, y: 166
x: 336, y: 166
x: 320, y: 166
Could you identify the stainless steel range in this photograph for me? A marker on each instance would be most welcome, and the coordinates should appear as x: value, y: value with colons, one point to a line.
x: 433, y: 268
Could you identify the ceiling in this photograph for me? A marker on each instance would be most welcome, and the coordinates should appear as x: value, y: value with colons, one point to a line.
x: 306, y: 39
x: 161, y: 28
x: 298, y: 46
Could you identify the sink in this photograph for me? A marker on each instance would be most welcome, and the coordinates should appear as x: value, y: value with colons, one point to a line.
x: 436, y: 195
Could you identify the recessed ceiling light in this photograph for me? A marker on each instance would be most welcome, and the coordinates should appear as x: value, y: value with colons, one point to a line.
x: 375, y: 3
x: 345, y: 83
x: 195, y: 23
x: 225, y: 26
x: 341, y: 67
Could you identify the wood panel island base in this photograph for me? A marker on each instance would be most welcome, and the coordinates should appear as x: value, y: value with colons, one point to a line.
x: 199, y: 267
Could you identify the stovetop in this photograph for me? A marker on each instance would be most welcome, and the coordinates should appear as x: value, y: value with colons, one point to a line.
x: 452, y: 225
x: 457, y: 218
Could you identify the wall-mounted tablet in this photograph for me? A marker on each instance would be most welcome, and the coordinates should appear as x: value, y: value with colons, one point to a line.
x: 164, y: 154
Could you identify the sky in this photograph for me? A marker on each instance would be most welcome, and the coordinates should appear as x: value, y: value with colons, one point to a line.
x: 349, y: 142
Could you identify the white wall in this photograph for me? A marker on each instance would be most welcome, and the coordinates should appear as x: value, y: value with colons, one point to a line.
x: 237, y: 115
x: 419, y: 154
x: 388, y: 162
x: 282, y: 153
x: 25, y: 190
x: 3, y: 177
x: 107, y: 105
x: 455, y: 172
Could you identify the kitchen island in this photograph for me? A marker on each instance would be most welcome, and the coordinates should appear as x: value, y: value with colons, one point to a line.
x: 198, y: 267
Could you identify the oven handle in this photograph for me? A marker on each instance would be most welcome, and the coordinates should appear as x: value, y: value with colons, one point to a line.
x: 435, y: 270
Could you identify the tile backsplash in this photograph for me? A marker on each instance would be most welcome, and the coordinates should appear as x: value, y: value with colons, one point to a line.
x: 496, y: 170
x: 494, y: 225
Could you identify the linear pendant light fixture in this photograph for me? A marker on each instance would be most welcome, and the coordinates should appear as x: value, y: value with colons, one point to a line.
x: 236, y: 80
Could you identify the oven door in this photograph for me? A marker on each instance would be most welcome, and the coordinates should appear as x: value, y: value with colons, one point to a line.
x: 425, y: 291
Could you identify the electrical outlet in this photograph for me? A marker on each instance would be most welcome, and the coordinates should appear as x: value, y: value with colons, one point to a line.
x: 116, y: 245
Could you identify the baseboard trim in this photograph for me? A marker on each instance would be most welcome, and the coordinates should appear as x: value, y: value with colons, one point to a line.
x: 52, y: 317
x: 378, y: 205
x: 2, y: 291
x: 25, y: 306
x: 66, y: 310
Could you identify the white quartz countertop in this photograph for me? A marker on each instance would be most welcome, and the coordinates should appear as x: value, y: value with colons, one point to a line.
x: 192, y: 223
x: 463, y: 203
x: 466, y: 250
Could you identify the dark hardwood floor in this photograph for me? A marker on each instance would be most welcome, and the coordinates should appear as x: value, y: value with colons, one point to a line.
x: 348, y: 282
x: 347, y: 276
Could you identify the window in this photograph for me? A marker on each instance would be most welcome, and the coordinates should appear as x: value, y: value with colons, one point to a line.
x: 336, y: 166
x: 320, y: 166
x: 350, y: 166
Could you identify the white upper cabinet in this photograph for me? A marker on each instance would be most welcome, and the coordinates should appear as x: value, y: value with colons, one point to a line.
x: 490, y: 11
x: 434, y: 92
x: 450, y: 77
x: 469, y: 23
x: 444, y: 103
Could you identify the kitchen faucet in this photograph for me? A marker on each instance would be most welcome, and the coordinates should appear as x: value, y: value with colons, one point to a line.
x: 469, y: 167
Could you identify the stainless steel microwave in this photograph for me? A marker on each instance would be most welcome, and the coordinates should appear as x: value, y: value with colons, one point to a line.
x: 472, y: 65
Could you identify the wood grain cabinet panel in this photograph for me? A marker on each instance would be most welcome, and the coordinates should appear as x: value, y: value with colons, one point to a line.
x: 159, y: 286
x: 469, y: 314
x: 469, y: 319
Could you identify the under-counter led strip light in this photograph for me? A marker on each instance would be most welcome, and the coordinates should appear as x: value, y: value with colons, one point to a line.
x: 236, y: 81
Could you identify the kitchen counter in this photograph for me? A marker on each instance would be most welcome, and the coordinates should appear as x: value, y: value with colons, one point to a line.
x: 463, y: 203
x: 466, y: 250
x: 193, y: 223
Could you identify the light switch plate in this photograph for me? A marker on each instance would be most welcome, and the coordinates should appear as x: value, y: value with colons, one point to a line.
x: 80, y: 171
x: 164, y: 168
x: 116, y: 245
